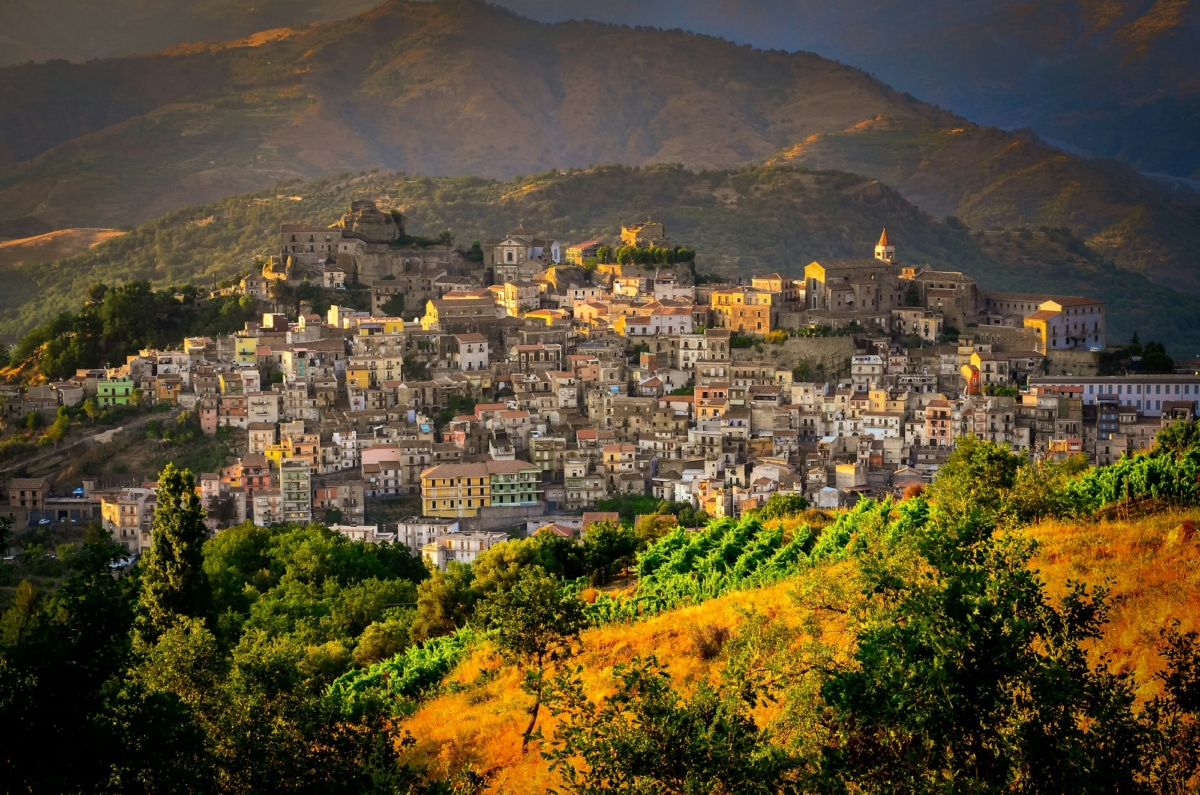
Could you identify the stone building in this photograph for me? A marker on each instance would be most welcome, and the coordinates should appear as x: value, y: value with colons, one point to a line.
x: 649, y: 234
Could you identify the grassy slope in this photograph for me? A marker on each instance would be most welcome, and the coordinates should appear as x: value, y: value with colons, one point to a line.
x: 52, y: 246
x: 435, y: 88
x: 1154, y: 582
x: 740, y: 222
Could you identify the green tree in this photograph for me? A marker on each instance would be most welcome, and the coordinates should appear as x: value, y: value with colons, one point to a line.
x: 562, y: 557
x: 382, y: 641
x: 445, y: 602
x: 912, y: 296
x: 1178, y: 438
x: 963, y: 671
x: 174, y: 584
x: 652, y: 527
x: 780, y: 506
x: 609, y: 548
x: 394, y: 307
x: 1156, y: 360
x: 91, y: 409
x: 64, y: 660
x: 499, y: 568
x: 1174, y: 715
x: 536, y: 622
x: 976, y: 477
x: 647, y: 738
x: 415, y: 368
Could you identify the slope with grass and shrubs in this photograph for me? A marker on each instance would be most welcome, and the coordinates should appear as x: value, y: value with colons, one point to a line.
x: 726, y: 618
x: 1029, y: 625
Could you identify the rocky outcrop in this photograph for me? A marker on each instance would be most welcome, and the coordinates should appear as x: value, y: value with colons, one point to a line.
x: 366, y: 222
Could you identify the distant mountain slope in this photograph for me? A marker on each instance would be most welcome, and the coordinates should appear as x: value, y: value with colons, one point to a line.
x: 80, y: 30
x: 1114, y: 79
x: 740, y: 222
x: 459, y: 87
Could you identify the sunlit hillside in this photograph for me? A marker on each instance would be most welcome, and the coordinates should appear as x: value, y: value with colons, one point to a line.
x: 1154, y: 575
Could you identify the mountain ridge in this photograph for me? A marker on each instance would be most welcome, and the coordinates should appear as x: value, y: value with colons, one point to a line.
x: 740, y: 222
x: 462, y: 87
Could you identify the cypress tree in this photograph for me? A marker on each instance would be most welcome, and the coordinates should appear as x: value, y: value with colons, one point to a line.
x: 174, y: 584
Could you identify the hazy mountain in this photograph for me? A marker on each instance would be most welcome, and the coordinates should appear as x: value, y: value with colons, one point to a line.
x: 1113, y: 79
x: 460, y: 87
x: 79, y: 30
x: 1116, y: 78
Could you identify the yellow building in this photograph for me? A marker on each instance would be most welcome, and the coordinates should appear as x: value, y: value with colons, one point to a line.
x: 245, y: 350
x: 301, y: 447
x: 746, y: 310
x: 468, y: 309
x: 388, y: 326
x: 461, y: 490
x: 368, y: 372
x: 1040, y: 321
x: 549, y: 316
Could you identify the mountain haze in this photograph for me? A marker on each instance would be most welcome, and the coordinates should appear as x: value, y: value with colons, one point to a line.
x: 460, y: 87
x: 1114, y: 79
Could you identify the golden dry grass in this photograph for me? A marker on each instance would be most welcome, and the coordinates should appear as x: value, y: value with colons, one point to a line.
x: 52, y: 245
x: 1153, y: 582
x: 482, y: 725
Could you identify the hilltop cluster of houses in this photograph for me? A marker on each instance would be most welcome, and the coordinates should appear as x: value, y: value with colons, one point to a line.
x: 530, y: 385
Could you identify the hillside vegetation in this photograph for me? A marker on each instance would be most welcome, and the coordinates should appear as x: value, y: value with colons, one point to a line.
x: 478, y: 718
x: 750, y: 679
x: 51, y: 246
x: 893, y: 647
x: 740, y: 222
x: 435, y: 88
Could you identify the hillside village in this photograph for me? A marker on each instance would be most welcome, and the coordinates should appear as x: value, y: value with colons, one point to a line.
x: 524, y: 382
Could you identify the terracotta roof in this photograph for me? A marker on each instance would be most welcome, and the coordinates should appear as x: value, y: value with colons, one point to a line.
x: 28, y: 483
x: 591, y: 517
x: 883, y: 239
x: 477, y: 470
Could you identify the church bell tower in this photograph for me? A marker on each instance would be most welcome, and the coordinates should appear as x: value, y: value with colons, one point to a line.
x: 884, y: 250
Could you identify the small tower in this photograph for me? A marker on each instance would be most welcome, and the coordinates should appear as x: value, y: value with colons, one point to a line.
x: 884, y: 250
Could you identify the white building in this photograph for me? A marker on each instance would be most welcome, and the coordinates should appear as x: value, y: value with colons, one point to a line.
x: 463, y: 547
x: 1146, y: 393
x: 470, y: 352
x: 417, y: 531
x: 367, y: 533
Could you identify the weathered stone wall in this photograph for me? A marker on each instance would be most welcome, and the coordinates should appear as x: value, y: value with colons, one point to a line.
x: 832, y: 352
x: 1083, y: 363
x: 378, y: 262
x: 496, y: 518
